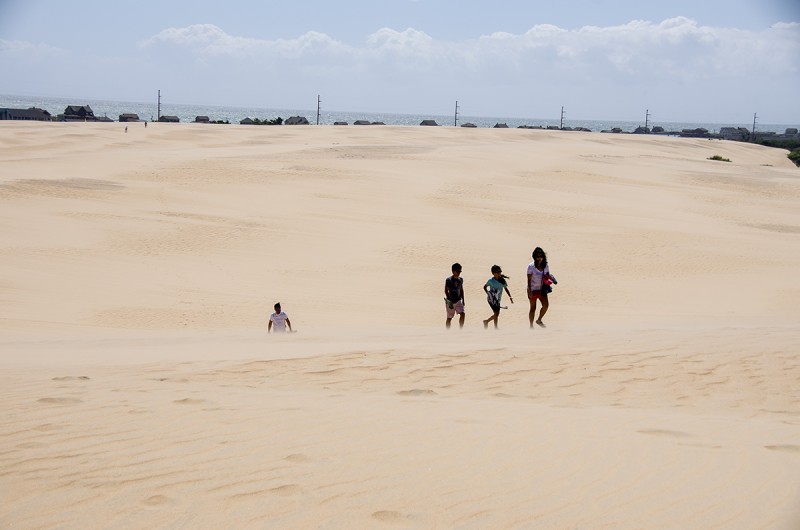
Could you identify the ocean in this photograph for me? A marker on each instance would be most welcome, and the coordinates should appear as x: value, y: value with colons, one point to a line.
x: 187, y: 113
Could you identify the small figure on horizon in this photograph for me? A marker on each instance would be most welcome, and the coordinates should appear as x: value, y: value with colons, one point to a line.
x: 539, y: 280
x: 454, y: 296
x: 280, y: 320
x: 494, y: 287
x: 126, y: 128
x: 145, y: 124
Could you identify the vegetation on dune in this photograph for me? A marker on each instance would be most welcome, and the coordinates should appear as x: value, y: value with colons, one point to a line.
x: 792, y: 144
x: 794, y: 156
x: 720, y: 158
x: 275, y: 121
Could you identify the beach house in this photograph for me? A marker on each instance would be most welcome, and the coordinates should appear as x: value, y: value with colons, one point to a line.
x: 31, y: 114
x: 77, y: 113
x: 297, y: 120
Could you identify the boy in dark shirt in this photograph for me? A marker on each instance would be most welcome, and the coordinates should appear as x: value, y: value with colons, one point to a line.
x: 454, y: 296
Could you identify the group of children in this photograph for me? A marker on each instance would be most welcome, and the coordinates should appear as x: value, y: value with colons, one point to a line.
x: 538, y: 287
x: 539, y: 282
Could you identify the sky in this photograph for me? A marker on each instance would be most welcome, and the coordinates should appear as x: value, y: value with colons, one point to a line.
x: 683, y: 61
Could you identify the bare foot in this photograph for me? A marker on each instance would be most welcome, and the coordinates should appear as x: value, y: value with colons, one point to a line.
x: 485, y: 324
x: 541, y: 324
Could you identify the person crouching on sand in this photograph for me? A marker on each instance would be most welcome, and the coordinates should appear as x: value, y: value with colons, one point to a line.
x: 538, y: 275
x: 494, y: 287
x: 280, y: 319
x: 454, y: 296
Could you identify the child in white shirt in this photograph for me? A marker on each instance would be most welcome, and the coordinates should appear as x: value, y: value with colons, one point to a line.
x: 280, y: 319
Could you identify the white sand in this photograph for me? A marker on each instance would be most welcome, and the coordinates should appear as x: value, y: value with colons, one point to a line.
x: 139, y: 389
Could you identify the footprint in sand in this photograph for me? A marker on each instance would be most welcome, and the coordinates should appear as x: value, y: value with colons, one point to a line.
x: 47, y: 427
x: 390, y: 516
x: 59, y: 401
x: 665, y: 432
x: 188, y: 401
x: 297, y: 458
x: 72, y: 378
x: 286, y: 489
x: 417, y: 392
x: 155, y: 500
x: 789, y: 448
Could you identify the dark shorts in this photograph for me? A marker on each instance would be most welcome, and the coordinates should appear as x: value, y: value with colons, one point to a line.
x: 495, y: 307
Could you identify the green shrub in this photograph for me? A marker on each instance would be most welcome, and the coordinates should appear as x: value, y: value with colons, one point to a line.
x: 794, y: 156
x: 788, y: 143
x: 721, y: 159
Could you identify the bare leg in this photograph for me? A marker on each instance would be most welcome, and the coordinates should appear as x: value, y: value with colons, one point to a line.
x: 545, y: 305
x: 447, y: 323
x: 461, y: 320
x: 532, y: 312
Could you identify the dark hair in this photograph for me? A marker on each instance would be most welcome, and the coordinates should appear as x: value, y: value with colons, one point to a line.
x: 496, y: 268
x: 538, y: 250
x: 456, y: 267
x: 276, y: 306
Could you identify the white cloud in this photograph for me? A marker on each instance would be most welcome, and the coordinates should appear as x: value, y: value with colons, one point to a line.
x: 29, y: 49
x: 210, y: 40
x: 677, y: 46
x: 625, y: 65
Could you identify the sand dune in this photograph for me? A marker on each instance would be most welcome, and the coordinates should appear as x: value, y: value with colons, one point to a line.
x: 140, y: 388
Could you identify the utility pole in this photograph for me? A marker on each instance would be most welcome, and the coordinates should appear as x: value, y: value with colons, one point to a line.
x: 646, y: 118
x: 159, y: 106
x: 561, y: 127
x: 318, y: 103
x: 455, y: 121
x: 753, y: 139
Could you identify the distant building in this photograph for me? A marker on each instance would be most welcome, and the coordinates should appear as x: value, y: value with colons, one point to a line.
x: 362, y: 122
x: 469, y: 125
x: 169, y: 119
x: 247, y: 121
x: 128, y: 117
x: 500, y: 126
x: 340, y: 123
x: 735, y: 133
x: 429, y: 123
x: 31, y: 114
x: 296, y: 120
x: 700, y: 132
x: 77, y: 113
x: 201, y: 119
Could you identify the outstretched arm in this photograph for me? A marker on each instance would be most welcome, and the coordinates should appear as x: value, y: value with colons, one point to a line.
x: 288, y: 323
x: 269, y: 326
x: 509, y: 295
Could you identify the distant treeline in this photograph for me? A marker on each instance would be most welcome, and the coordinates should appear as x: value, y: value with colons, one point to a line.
x: 274, y: 121
x: 792, y: 144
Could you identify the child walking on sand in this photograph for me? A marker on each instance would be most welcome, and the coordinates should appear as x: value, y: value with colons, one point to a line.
x: 454, y: 296
x: 280, y: 320
x: 539, y: 280
x: 494, y: 288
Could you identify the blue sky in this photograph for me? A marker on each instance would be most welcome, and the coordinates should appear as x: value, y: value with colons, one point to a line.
x: 704, y: 60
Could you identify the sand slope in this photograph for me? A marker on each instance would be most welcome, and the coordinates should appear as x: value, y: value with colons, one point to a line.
x: 139, y: 388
